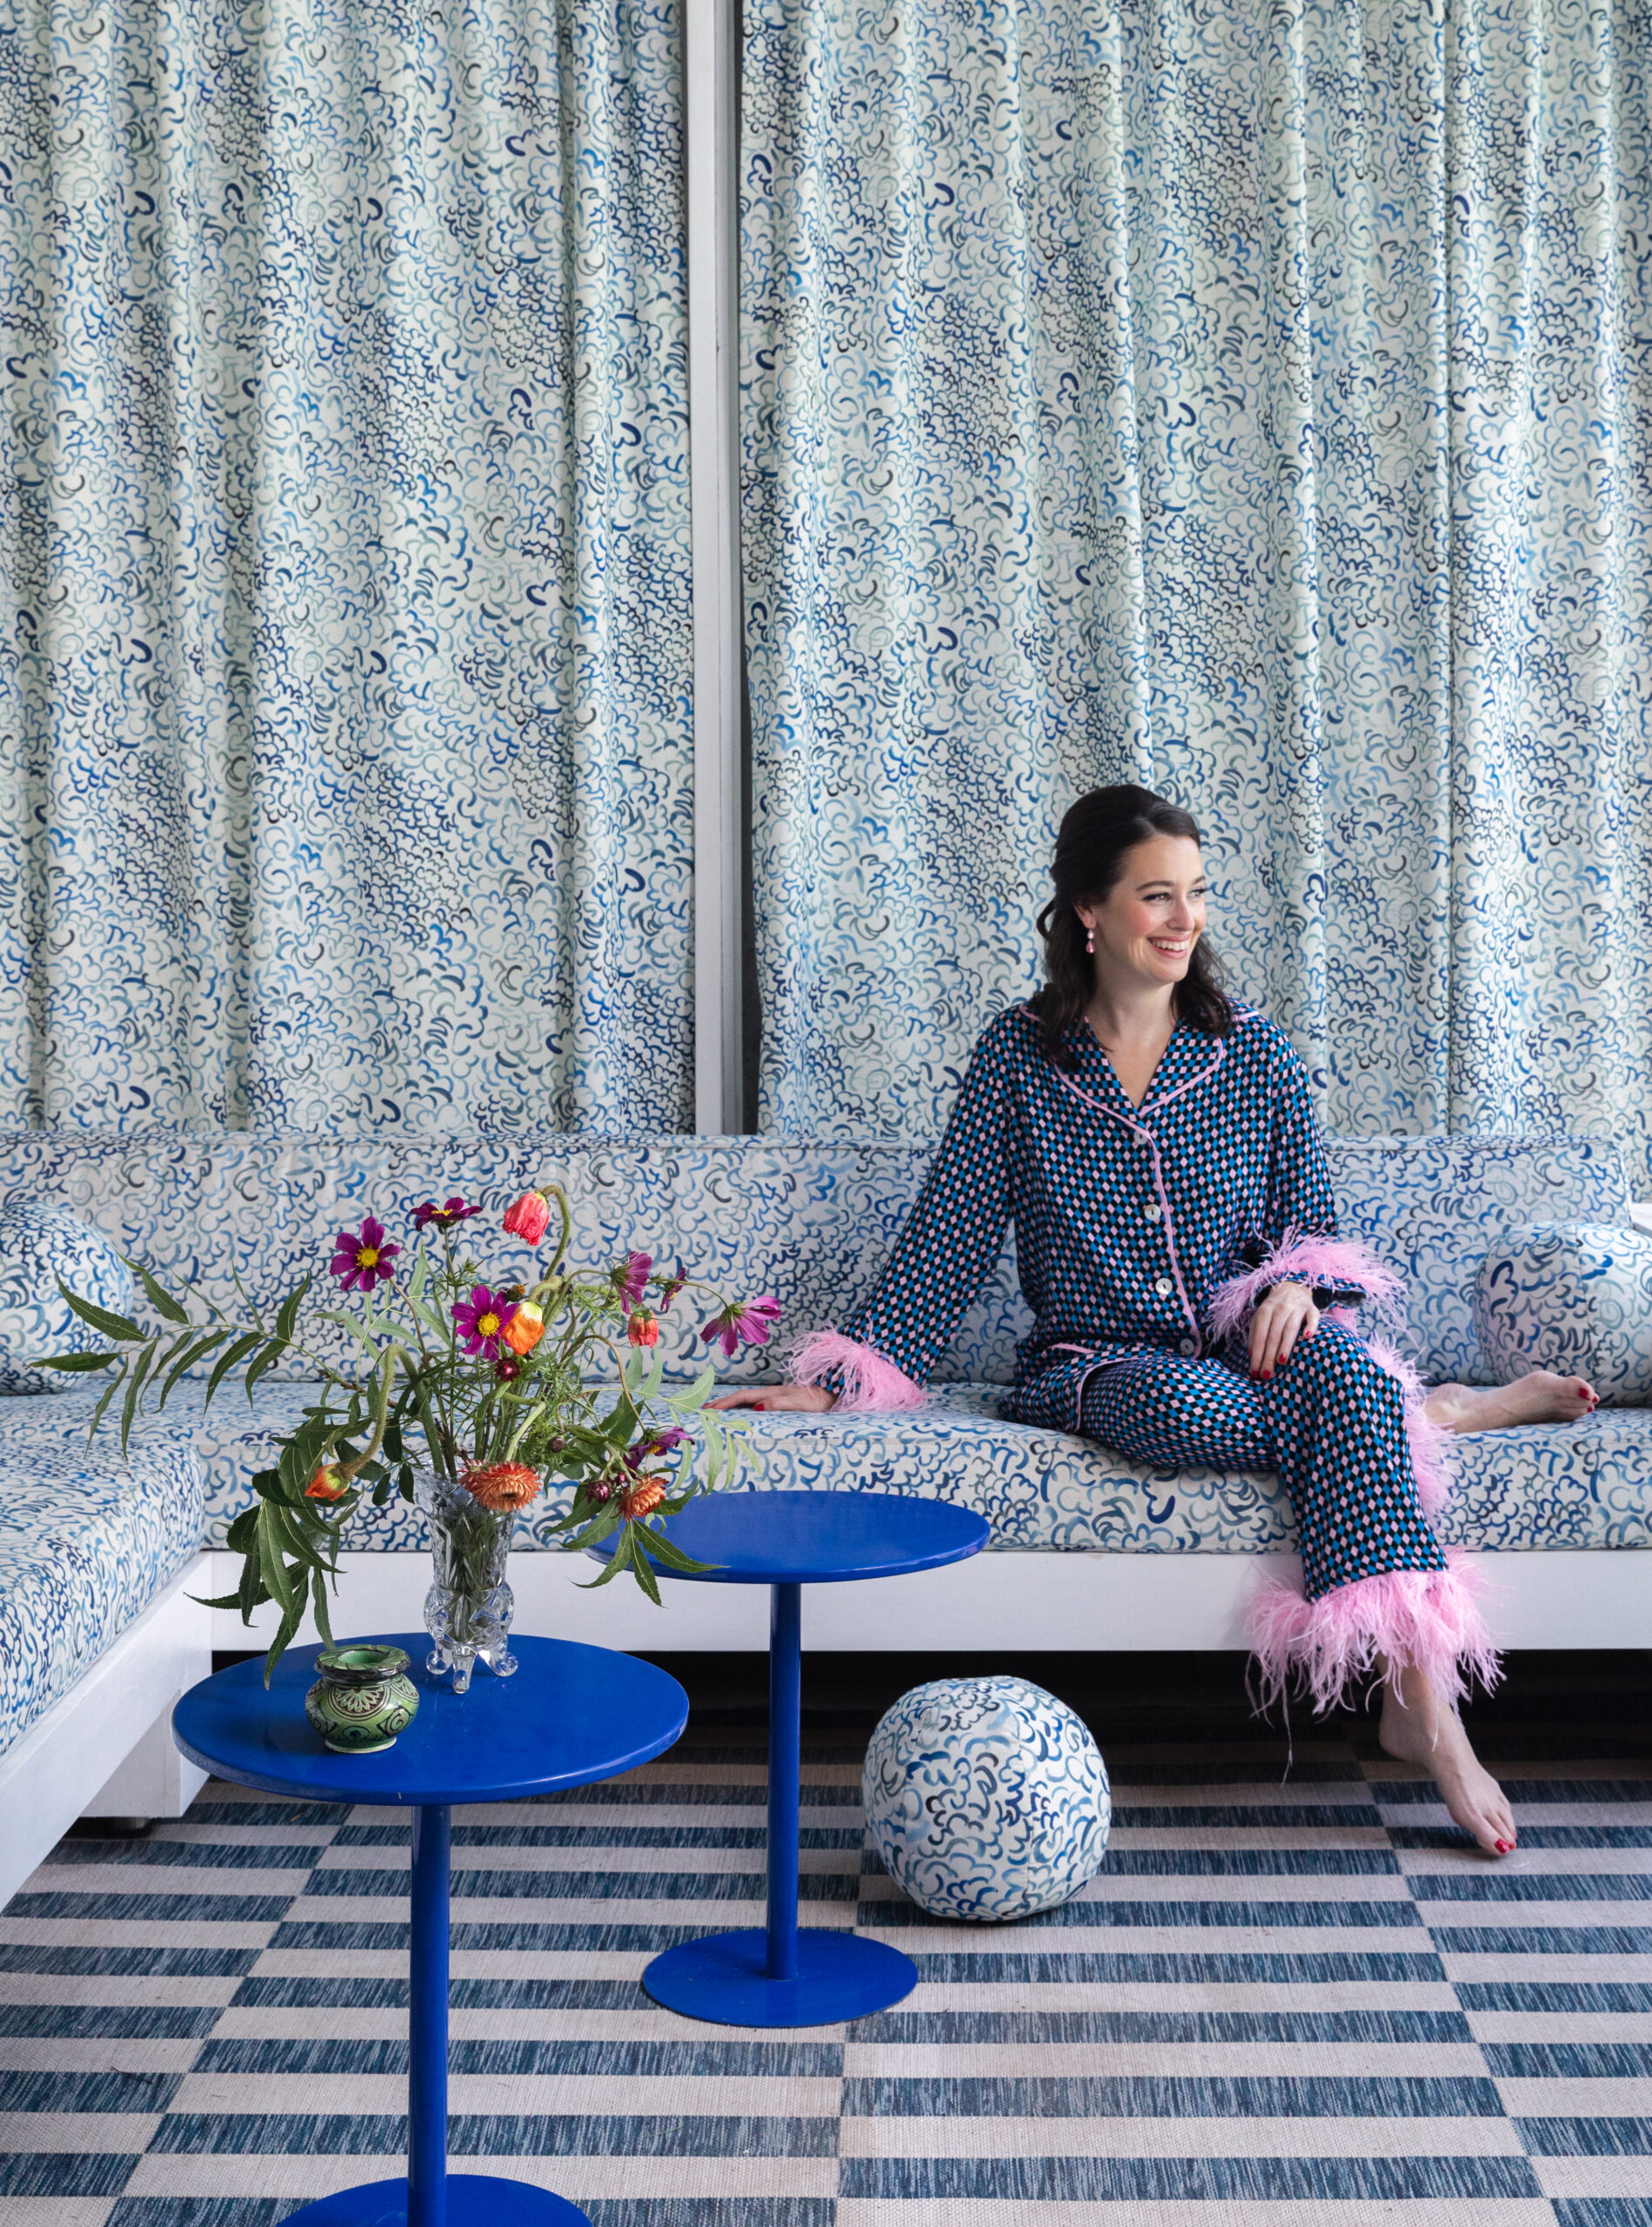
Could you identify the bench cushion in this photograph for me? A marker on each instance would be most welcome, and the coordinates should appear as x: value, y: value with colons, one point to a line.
x: 86, y: 1543
x: 813, y: 1222
x: 1585, y: 1484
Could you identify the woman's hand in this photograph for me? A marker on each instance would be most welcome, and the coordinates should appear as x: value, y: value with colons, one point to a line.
x: 806, y: 1399
x: 1285, y: 1314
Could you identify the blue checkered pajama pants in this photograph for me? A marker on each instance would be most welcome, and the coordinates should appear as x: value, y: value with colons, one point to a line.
x: 1331, y: 1422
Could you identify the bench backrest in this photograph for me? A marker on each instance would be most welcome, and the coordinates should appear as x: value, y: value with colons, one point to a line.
x: 812, y: 1222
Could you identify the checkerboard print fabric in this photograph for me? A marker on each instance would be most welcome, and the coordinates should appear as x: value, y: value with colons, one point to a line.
x: 1131, y: 1223
x: 1278, y: 2001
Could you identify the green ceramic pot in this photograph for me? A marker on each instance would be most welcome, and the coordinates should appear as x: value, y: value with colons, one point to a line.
x: 362, y: 1699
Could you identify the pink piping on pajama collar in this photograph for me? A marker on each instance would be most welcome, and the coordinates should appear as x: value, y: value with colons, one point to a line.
x: 1138, y: 1129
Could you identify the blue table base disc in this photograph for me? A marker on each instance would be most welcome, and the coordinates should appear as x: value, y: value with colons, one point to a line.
x: 473, y: 2200
x: 724, y: 1978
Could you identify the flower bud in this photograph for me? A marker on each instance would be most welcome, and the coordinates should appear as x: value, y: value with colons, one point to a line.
x: 525, y: 1328
x: 327, y: 1484
x: 642, y: 1329
x: 528, y: 1217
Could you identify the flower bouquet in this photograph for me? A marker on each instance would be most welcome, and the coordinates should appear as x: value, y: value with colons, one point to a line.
x: 467, y: 1393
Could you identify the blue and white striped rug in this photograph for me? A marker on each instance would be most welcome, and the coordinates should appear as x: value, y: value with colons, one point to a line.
x: 1296, y: 2004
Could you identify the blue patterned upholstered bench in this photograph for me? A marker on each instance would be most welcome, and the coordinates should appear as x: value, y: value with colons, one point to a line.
x: 1092, y: 1552
x: 98, y: 1635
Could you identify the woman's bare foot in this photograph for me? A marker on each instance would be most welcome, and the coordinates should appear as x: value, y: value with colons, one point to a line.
x: 1416, y: 1728
x: 1543, y: 1397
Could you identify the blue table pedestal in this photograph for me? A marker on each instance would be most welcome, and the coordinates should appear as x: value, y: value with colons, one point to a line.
x: 725, y: 1977
x: 471, y: 2200
x: 782, y: 1976
x: 429, y: 2196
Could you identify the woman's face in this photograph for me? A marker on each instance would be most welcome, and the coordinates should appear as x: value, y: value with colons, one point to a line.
x: 1147, y: 925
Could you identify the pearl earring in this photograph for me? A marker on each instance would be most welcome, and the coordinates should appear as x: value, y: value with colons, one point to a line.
x: 1089, y: 941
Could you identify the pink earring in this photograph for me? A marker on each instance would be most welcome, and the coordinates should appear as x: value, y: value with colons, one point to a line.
x: 1089, y: 940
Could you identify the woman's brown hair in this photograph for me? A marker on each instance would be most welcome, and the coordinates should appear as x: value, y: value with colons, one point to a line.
x: 1090, y: 851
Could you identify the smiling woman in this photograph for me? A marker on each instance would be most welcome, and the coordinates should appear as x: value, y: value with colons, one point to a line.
x: 1155, y: 1144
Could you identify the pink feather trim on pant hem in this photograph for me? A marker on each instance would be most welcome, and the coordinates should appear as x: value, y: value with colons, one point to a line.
x: 1304, y: 1254
x: 869, y: 1380
x: 1430, y: 1620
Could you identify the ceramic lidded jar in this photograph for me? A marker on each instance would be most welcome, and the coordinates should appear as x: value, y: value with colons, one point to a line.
x: 362, y: 1699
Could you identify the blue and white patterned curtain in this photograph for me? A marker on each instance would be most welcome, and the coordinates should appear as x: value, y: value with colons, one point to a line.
x: 1252, y: 402
x: 344, y: 648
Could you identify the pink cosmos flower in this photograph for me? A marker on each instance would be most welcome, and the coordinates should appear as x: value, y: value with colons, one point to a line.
x: 670, y: 1288
x: 443, y: 1217
x: 362, y: 1258
x: 751, y: 1320
x: 631, y: 1281
x: 527, y: 1217
x: 482, y: 1320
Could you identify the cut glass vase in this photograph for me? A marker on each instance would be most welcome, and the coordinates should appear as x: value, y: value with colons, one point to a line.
x: 469, y: 1607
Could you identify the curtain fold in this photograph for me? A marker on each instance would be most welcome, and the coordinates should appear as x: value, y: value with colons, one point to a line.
x: 344, y: 599
x: 1253, y: 404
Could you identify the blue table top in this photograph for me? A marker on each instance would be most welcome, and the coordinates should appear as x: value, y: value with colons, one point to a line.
x: 818, y: 1538
x: 570, y: 1716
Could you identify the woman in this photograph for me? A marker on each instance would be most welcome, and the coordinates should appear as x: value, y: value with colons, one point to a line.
x: 1155, y: 1146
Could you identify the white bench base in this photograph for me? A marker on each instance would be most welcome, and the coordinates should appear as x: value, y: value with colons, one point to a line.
x: 1042, y: 1602
x: 105, y: 1748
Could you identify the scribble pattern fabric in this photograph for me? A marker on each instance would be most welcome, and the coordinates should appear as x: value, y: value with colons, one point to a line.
x: 812, y: 1223
x: 1574, y: 1486
x: 1250, y: 402
x: 1573, y: 1297
x: 42, y: 1248
x: 815, y: 1224
x: 86, y: 1543
x: 345, y: 611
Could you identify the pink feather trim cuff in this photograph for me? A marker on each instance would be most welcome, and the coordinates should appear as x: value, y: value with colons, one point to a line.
x: 868, y: 1381
x: 1305, y: 1257
x: 1328, y: 1648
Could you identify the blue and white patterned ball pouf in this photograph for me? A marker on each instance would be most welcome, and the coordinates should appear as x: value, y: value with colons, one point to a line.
x: 986, y: 1797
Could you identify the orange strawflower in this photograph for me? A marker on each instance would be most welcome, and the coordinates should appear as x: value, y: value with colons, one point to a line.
x: 327, y: 1484
x: 525, y: 1328
x: 642, y: 1329
x: 502, y: 1486
x: 638, y: 1499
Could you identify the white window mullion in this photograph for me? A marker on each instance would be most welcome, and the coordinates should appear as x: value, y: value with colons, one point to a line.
x: 713, y: 436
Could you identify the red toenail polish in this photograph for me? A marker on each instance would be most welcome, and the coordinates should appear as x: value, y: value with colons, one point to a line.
x: 761, y: 1407
x: 1503, y: 1847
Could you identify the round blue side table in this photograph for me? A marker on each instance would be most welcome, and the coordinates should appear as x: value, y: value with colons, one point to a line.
x: 781, y: 1976
x: 570, y: 1716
